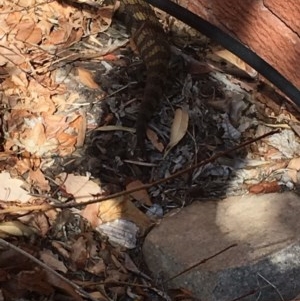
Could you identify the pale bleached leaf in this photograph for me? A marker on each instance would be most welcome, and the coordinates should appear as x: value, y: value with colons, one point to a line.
x: 10, y: 189
x: 81, y: 187
x: 178, y: 129
x: 108, y: 128
x: 15, y: 228
x: 121, y: 232
x: 236, y: 61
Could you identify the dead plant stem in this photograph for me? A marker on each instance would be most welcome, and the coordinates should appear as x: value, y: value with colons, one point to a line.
x: 171, y: 177
x: 73, y: 204
x: 47, y: 268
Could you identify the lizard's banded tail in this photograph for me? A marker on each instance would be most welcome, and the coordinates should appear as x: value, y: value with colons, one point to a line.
x: 150, y: 40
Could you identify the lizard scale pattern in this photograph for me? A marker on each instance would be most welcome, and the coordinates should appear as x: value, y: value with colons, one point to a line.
x: 150, y: 40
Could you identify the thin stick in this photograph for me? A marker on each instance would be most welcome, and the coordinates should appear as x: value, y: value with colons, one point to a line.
x: 171, y: 177
x: 145, y: 186
x: 199, y: 263
x: 47, y: 268
x: 271, y: 284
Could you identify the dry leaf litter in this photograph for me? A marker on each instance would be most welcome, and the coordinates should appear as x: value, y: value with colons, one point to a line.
x: 70, y: 92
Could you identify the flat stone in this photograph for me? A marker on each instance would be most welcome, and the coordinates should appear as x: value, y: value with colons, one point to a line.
x: 265, y: 264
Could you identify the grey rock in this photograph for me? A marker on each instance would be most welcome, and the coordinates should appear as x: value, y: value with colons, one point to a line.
x: 265, y: 264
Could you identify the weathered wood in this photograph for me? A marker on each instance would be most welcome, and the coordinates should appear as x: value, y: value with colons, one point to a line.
x: 271, y: 28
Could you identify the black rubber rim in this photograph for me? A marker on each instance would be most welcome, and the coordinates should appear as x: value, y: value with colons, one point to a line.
x: 233, y: 45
